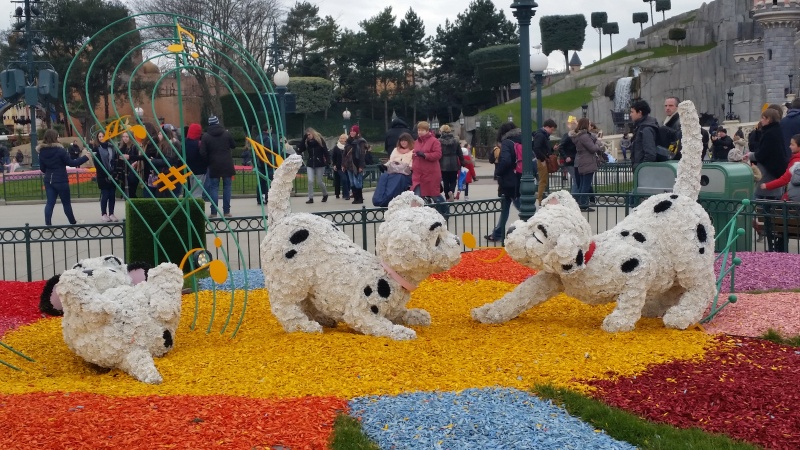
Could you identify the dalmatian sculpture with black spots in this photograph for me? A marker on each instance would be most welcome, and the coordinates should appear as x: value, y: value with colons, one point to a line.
x: 657, y: 262
x: 110, y: 322
x: 316, y: 276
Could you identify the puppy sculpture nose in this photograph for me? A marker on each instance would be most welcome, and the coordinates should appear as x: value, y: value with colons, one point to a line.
x: 511, y: 230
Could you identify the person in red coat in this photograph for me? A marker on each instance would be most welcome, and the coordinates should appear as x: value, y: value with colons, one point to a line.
x: 426, y: 179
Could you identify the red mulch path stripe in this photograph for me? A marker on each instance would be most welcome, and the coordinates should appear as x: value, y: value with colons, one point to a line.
x: 474, y: 266
x: 88, y: 421
x: 19, y: 303
x: 745, y: 388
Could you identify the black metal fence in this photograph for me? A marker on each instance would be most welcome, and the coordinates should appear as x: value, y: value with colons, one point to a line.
x: 38, y: 252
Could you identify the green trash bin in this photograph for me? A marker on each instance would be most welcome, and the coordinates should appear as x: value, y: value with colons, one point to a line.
x: 718, y: 181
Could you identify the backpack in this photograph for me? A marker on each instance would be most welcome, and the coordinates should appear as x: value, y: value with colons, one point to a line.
x: 518, y: 155
x: 668, y: 139
x: 494, y: 156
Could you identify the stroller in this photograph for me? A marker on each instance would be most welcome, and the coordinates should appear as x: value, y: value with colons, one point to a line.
x: 393, y: 182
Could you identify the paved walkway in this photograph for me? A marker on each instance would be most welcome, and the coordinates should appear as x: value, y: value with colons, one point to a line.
x: 88, y: 210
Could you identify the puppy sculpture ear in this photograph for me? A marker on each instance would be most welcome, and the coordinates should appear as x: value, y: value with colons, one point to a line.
x: 49, y: 301
x: 405, y: 200
x: 563, y: 255
x: 562, y: 198
x: 138, y: 271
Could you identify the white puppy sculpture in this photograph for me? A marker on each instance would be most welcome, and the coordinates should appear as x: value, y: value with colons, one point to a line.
x: 316, y: 276
x: 659, y: 261
x: 112, y: 323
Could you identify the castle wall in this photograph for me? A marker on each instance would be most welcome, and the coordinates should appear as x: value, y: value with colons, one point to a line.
x: 780, y: 57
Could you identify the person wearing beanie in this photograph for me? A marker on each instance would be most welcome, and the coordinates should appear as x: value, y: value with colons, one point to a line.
x: 341, y: 182
x: 216, y: 147
x: 195, y: 161
x: 353, y: 162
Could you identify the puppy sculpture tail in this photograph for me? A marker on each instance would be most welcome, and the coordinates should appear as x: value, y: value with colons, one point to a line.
x: 280, y: 189
x: 688, y: 180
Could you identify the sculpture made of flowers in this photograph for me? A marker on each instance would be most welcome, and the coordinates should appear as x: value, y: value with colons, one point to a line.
x: 316, y: 276
x: 657, y: 262
x: 110, y: 322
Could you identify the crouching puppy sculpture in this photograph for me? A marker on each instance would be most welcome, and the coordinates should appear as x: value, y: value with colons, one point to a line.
x: 657, y: 262
x: 316, y: 276
x: 112, y: 323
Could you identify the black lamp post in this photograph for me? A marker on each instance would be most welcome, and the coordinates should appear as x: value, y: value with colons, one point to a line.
x: 730, y: 105
x: 523, y: 11
x: 584, y: 109
x: 790, y: 83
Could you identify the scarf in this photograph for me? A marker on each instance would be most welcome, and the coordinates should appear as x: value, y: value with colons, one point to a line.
x: 105, y: 155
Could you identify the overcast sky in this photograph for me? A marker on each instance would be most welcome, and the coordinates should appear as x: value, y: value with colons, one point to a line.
x: 434, y: 12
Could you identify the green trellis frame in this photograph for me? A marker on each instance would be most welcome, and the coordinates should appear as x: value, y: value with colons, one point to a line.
x: 213, y: 41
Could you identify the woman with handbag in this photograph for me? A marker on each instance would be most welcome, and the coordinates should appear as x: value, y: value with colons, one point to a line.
x: 588, y: 149
x: 318, y: 159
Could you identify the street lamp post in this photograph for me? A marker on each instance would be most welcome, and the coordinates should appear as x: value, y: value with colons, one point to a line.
x: 584, y: 110
x: 281, y: 80
x: 346, y: 116
x: 730, y: 105
x: 790, y: 82
x: 510, y: 117
x: 523, y: 11
x: 461, y: 125
x: 538, y: 66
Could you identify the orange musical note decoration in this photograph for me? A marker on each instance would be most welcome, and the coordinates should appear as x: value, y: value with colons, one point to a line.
x: 216, y: 268
x: 121, y: 125
x: 180, y: 47
x: 169, y: 182
x: 262, y: 151
x: 470, y: 242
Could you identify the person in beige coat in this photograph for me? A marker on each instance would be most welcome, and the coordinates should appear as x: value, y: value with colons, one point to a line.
x: 588, y: 149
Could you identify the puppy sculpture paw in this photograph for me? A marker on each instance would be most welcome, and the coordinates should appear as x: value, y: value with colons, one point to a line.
x: 401, y: 333
x: 616, y: 322
x: 417, y: 316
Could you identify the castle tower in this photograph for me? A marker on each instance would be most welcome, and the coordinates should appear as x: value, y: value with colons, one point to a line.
x: 780, y: 20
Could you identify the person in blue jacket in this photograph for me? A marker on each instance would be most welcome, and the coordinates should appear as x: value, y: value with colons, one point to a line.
x: 53, y: 162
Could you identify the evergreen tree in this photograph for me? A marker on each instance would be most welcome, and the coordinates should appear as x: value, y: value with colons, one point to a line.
x: 417, y: 47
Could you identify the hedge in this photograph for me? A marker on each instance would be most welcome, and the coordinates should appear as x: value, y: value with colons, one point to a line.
x: 140, y: 243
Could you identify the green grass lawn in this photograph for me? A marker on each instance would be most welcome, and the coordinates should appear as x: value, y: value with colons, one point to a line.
x: 650, y: 53
x: 563, y: 101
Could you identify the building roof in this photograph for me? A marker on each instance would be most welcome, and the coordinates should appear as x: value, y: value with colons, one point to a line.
x: 575, y: 61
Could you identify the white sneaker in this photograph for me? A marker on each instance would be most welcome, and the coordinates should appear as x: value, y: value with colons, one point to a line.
x: 113, y: 218
x: 105, y: 218
x: 537, y: 203
x: 466, y: 198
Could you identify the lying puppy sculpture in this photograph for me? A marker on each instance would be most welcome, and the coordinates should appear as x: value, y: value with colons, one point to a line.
x: 112, y: 323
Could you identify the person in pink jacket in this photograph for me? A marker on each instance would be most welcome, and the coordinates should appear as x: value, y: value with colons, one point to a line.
x: 426, y: 179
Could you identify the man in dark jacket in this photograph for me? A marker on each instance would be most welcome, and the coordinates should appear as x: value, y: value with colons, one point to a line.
x: 196, y: 162
x: 541, y: 150
x: 215, y: 146
x: 722, y: 144
x: 507, y: 179
x: 643, y: 146
x: 673, y: 120
x: 74, y: 150
x: 397, y: 128
x: 790, y: 125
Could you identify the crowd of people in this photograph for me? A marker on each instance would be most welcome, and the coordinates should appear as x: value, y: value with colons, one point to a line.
x: 121, y: 165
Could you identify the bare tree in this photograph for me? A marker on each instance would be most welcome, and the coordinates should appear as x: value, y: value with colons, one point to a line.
x: 237, y: 23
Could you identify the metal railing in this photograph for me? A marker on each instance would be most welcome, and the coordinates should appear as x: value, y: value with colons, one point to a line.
x: 39, y: 252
